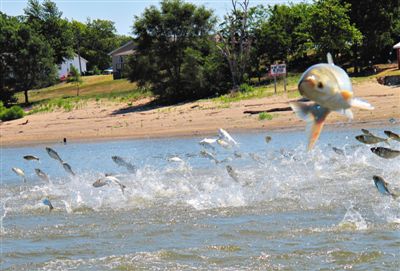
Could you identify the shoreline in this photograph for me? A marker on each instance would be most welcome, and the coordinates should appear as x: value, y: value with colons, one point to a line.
x: 102, y: 121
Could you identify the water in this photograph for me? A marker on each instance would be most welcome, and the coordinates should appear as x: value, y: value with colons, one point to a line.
x: 288, y: 210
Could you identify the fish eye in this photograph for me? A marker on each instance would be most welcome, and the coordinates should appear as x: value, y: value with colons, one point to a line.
x: 320, y: 85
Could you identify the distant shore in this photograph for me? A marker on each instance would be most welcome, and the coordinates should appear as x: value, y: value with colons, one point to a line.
x: 111, y: 121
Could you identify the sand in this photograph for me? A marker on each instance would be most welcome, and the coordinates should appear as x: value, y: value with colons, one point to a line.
x: 110, y: 121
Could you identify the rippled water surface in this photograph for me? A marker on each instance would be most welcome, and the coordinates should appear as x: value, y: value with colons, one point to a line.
x: 286, y: 210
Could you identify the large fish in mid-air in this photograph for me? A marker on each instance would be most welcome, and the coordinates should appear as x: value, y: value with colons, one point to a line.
x: 383, y: 186
x: 53, y: 154
x: 330, y: 88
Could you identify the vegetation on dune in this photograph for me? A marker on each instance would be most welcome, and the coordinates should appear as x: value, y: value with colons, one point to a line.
x: 12, y: 113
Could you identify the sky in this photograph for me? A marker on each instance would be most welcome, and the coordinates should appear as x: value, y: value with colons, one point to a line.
x: 121, y: 12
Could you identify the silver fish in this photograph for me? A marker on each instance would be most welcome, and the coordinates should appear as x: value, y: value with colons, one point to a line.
x: 224, y: 135
x: 207, y: 143
x: 31, y: 157
x: 392, y: 135
x: 175, y: 159
x: 268, y: 139
x: 330, y: 88
x: 338, y: 151
x: 48, y: 203
x: 232, y: 173
x: 121, y: 162
x: 107, y: 180
x: 385, y: 152
x: 371, y: 139
x: 208, y: 155
x: 223, y: 143
x: 382, y: 186
x: 68, y: 168
x: 53, y: 154
x: 42, y: 175
x: 19, y: 172
x: 366, y: 132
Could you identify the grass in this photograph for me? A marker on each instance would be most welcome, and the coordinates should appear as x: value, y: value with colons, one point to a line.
x: 265, y: 116
x: 97, y: 88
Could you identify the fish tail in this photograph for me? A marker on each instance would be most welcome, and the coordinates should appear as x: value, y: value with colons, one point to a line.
x: 358, y: 103
x: 314, y: 115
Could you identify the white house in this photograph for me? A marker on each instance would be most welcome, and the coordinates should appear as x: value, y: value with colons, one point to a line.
x: 65, y: 67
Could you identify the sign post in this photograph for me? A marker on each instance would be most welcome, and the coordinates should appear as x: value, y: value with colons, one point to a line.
x: 278, y: 70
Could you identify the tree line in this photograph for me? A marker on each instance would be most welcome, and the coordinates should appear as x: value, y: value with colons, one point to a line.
x: 32, y: 45
x: 185, y: 52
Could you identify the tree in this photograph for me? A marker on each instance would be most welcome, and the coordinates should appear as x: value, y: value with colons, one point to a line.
x: 99, y: 39
x: 34, y: 67
x: 236, y: 41
x: 75, y: 77
x: 330, y: 29
x: 379, y: 23
x: 45, y: 19
x: 172, y: 43
x: 8, y: 26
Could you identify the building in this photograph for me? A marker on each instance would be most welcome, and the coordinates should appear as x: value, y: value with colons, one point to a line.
x: 119, y: 57
x: 65, y: 67
x: 397, y: 48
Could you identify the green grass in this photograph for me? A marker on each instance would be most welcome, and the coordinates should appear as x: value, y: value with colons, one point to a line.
x: 265, y: 116
x: 263, y: 91
x: 101, y: 87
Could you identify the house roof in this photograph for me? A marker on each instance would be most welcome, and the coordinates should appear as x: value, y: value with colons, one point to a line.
x: 126, y: 49
x: 397, y: 46
x: 82, y: 58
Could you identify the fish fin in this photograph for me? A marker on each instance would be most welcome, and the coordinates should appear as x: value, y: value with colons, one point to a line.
x: 346, y: 112
x: 358, y: 103
x: 314, y: 115
x: 329, y: 59
x: 347, y: 95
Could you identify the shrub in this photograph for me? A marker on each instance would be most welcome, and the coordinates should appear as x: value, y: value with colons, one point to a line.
x: 264, y: 115
x: 15, y: 112
x: 245, y: 88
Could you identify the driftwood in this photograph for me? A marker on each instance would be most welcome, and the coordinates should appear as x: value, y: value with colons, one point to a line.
x: 278, y: 109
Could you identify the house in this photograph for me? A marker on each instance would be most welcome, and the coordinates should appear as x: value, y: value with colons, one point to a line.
x: 397, y: 48
x: 119, y: 57
x: 77, y: 61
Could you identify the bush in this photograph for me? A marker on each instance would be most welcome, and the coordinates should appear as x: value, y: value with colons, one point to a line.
x: 245, y: 88
x: 265, y: 116
x: 15, y: 112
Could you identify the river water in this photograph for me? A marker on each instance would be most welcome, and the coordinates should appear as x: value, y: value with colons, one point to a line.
x: 287, y: 209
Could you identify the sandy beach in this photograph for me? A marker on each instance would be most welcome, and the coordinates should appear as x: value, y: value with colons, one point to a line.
x: 105, y: 120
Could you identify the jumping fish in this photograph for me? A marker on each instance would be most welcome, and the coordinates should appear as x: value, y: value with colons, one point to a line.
x: 42, y: 175
x: 268, y: 139
x: 175, y: 159
x: 207, y: 142
x: 19, y: 172
x: 392, y: 135
x: 31, y: 157
x: 382, y: 186
x: 121, y: 162
x: 53, y: 154
x: 371, y: 139
x: 68, y: 168
x: 338, y: 151
x: 385, y: 152
x: 208, y: 155
x: 232, y: 173
x: 223, y: 143
x: 107, y: 180
x: 224, y: 135
x: 48, y: 203
x: 330, y: 88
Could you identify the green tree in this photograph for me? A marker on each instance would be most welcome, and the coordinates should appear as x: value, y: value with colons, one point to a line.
x: 379, y: 22
x: 99, y: 40
x: 45, y: 19
x: 75, y: 78
x: 8, y: 26
x: 34, y: 67
x: 174, y: 51
x: 330, y: 29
